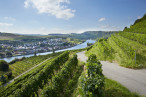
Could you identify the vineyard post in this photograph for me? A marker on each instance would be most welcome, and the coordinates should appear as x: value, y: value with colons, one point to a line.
x: 111, y: 50
x: 135, y: 57
x: 104, y: 52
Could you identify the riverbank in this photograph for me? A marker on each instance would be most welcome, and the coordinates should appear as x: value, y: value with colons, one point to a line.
x: 80, y: 46
x: 16, y: 55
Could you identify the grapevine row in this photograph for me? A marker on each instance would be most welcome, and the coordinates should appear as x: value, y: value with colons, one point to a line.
x: 27, y: 63
x: 29, y: 86
x: 141, y: 38
x: 59, y: 80
x: 124, y: 46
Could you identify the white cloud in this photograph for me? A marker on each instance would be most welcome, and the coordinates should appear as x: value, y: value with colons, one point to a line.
x: 138, y: 17
x: 9, y: 18
x: 6, y: 24
x: 54, y: 7
x: 102, y: 19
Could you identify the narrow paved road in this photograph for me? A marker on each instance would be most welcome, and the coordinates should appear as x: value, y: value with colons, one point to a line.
x: 25, y: 72
x: 134, y: 80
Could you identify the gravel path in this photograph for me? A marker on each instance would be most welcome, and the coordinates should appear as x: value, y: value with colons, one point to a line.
x: 134, y: 80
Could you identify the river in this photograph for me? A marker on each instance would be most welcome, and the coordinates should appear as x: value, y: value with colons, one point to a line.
x: 80, y: 46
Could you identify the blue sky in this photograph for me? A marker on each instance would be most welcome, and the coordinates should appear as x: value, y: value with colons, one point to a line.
x: 68, y: 16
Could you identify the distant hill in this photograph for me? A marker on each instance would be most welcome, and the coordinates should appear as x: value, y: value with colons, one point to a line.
x: 10, y: 36
x: 29, y: 34
x: 82, y: 36
x: 127, y: 47
x: 87, y: 35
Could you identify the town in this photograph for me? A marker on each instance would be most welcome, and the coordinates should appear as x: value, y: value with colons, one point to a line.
x: 32, y: 46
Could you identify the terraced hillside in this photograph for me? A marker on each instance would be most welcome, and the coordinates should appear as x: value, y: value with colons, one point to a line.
x: 53, y: 75
x: 128, y: 47
x: 65, y: 76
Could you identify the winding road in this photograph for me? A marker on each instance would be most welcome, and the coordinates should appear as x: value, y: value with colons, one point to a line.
x: 134, y: 80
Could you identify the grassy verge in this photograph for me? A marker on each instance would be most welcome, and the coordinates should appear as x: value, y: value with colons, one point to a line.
x: 115, y: 89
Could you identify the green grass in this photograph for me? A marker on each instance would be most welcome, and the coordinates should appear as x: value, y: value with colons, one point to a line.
x: 115, y: 89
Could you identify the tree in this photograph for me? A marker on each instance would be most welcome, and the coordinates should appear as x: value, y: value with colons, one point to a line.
x: 9, y: 75
x: 9, y: 54
x: 35, y: 53
x: 2, y: 55
x: 4, y: 66
x: 125, y: 28
x: 53, y: 50
x: 1, y: 48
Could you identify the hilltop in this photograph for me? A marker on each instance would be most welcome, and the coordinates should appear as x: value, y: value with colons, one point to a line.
x: 127, y: 47
x: 138, y: 27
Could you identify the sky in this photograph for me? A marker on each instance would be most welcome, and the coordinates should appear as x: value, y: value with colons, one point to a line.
x: 68, y: 16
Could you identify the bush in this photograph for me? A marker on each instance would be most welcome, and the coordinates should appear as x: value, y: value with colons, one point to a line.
x: 9, y: 75
x: 4, y: 66
x: 93, y: 83
x: 3, y: 79
x: 102, y: 39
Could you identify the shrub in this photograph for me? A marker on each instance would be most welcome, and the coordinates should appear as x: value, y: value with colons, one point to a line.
x: 9, y: 75
x: 3, y: 65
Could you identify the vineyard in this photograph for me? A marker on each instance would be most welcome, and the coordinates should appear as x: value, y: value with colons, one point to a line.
x: 27, y: 63
x: 64, y: 76
x: 19, y: 66
x: 140, y: 38
x: 55, y: 78
x: 128, y: 48
x: 35, y: 79
x: 59, y: 77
